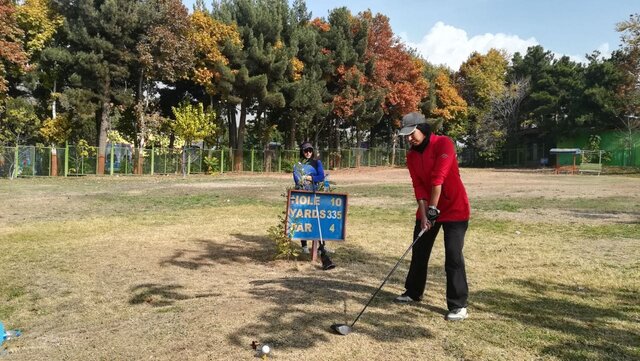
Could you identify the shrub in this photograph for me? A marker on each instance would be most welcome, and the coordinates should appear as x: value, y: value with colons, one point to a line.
x: 211, y: 164
x: 278, y: 233
x: 282, y: 237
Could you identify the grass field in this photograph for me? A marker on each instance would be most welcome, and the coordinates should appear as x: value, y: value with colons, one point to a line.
x: 168, y: 268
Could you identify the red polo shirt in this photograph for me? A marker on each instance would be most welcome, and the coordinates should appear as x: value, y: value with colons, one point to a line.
x: 438, y: 165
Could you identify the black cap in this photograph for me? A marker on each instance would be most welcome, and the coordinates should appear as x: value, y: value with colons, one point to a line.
x: 410, y: 122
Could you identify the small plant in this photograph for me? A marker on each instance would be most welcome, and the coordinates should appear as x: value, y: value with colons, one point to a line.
x: 25, y: 171
x: 211, y: 164
x: 593, y: 145
x: 282, y: 237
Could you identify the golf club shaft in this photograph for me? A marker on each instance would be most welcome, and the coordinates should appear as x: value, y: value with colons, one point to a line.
x: 315, y: 195
x: 389, y: 275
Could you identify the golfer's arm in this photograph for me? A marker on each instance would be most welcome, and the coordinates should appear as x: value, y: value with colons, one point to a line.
x: 423, y: 208
x: 435, y: 195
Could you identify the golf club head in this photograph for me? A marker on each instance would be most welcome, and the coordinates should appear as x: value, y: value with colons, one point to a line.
x: 327, y: 264
x: 341, y: 329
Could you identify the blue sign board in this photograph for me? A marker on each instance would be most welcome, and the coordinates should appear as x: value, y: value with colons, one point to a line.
x: 316, y: 216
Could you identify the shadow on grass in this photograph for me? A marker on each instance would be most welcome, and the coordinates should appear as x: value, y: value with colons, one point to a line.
x: 612, y: 216
x: 591, y: 328
x: 160, y: 295
x: 290, y: 324
x: 244, y: 249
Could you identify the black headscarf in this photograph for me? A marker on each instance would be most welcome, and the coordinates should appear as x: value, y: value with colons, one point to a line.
x: 426, y: 130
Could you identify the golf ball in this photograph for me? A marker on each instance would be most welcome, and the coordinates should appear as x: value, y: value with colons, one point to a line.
x: 265, y: 349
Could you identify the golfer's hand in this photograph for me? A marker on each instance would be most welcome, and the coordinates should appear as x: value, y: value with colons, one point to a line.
x: 426, y: 224
x: 308, y: 178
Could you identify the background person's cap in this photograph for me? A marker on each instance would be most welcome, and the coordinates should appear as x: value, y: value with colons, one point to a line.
x: 306, y: 145
x: 410, y: 121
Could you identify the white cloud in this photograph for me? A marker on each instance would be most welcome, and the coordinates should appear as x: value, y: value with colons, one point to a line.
x: 604, y: 49
x: 446, y: 44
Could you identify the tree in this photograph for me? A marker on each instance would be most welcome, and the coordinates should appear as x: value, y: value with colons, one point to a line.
x: 307, y: 101
x: 19, y: 121
x: 101, y: 38
x: 165, y: 55
x: 39, y: 23
x: 443, y: 105
x: 506, y: 106
x: 209, y: 37
x: 354, y: 100
x: 192, y: 123
x: 601, y: 103
x: 482, y: 79
x: 260, y: 68
x: 629, y: 90
x: 12, y: 53
x: 396, y: 74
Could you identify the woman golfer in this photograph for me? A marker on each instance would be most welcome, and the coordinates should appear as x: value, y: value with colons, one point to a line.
x: 442, y: 203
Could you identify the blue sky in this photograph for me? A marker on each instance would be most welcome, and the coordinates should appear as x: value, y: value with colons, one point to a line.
x: 447, y: 31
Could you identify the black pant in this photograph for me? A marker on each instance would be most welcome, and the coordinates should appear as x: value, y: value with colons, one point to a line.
x: 457, y: 288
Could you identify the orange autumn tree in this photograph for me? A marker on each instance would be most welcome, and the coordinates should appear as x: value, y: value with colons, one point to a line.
x: 12, y: 52
x: 450, y: 103
x: 209, y: 36
x: 444, y: 105
x: 355, y: 103
x: 395, y: 71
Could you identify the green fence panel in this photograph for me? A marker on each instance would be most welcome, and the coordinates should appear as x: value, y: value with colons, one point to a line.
x: 7, y: 161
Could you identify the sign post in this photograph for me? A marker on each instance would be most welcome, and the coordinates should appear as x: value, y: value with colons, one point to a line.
x: 316, y: 216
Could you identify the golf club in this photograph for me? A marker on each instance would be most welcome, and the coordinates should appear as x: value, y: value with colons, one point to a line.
x: 343, y: 329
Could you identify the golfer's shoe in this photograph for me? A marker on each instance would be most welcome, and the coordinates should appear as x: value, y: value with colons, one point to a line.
x: 305, y: 250
x: 404, y: 298
x: 457, y: 314
x: 327, y: 264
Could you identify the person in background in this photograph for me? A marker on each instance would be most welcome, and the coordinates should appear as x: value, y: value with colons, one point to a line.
x: 308, y: 175
x: 442, y: 203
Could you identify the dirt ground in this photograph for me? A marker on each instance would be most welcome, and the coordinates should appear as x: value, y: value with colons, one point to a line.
x: 491, y: 184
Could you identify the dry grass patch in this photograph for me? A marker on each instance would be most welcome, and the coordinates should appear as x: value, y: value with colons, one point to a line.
x: 171, y: 268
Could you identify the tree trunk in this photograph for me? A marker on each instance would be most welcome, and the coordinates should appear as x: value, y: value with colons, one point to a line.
x: 393, y: 150
x: 334, y: 144
x: 291, y: 144
x: 358, y: 148
x: 104, y: 127
x: 54, y: 161
x: 54, y: 152
x: 141, y: 109
x: 238, y: 156
x: 268, y: 158
x: 233, y: 129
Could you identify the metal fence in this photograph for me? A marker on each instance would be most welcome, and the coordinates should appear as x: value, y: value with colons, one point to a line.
x: 539, y: 157
x: 124, y: 159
